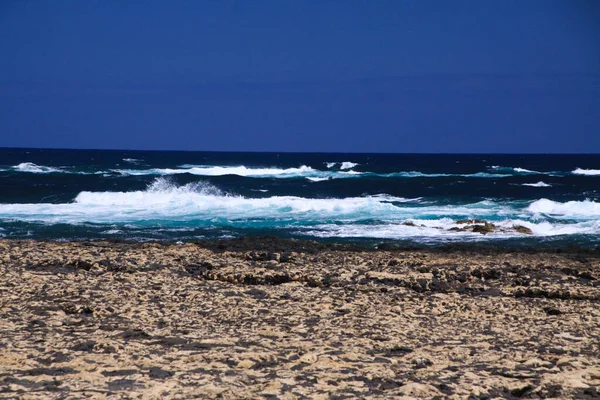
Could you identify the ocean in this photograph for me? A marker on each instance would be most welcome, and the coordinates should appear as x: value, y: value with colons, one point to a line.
x: 409, y: 199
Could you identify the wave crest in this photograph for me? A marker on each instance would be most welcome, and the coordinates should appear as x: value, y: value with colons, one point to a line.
x: 36, y: 169
x: 160, y: 191
x: 586, y: 208
x: 589, y: 172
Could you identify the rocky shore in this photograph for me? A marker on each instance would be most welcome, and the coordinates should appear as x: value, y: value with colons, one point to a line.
x: 267, y: 318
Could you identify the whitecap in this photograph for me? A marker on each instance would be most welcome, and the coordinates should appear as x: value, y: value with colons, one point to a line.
x: 36, y: 169
x: 589, y: 172
x: 241, y: 170
x: 537, y: 184
x: 348, y: 165
x: 568, y: 209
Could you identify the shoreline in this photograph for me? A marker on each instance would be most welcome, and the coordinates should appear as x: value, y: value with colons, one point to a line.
x: 257, y: 316
x: 275, y: 243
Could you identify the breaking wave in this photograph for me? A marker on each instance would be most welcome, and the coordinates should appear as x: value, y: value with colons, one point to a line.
x: 36, y: 169
x: 166, y: 205
x: 343, y: 164
x: 570, y: 209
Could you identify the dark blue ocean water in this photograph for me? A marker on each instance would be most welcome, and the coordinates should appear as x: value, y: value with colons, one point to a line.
x: 406, y: 198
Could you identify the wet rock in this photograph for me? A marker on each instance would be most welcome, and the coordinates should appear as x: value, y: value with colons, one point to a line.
x: 484, y: 229
x: 523, y: 229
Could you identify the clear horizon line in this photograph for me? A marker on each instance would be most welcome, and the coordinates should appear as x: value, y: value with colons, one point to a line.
x: 289, y: 152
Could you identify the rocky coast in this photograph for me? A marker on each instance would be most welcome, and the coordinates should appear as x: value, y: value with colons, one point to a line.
x: 271, y: 318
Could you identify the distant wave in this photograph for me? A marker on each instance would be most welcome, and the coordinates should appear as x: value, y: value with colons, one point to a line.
x: 36, y: 169
x: 344, y: 171
x: 303, y: 171
x: 209, y: 170
x: 348, y: 165
x: 515, y: 170
x: 29, y: 167
x: 166, y: 205
x: 538, y: 184
x: 343, y: 165
x: 132, y: 160
x: 581, y: 171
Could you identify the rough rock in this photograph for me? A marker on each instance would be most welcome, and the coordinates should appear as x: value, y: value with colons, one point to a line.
x: 261, y: 317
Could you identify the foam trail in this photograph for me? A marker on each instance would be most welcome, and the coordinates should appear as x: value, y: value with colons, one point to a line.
x: 515, y: 170
x: 589, y: 172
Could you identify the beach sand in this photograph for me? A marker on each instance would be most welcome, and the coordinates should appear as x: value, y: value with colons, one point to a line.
x: 268, y: 318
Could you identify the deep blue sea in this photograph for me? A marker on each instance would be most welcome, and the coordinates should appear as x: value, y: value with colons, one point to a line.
x: 371, y: 198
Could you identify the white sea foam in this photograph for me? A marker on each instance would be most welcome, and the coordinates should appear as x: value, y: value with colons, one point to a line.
x: 537, y: 184
x: 204, y: 202
x: 36, y: 169
x: 348, y: 165
x: 343, y: 164
x: 440, y: 230
x: 590, y: 172
x: 241, y: 170
x: 303, y: 171
x: 573, y: 209
x: 168, y: 206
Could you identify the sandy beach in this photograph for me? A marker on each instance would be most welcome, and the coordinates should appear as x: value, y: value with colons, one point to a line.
x: 269, y: 318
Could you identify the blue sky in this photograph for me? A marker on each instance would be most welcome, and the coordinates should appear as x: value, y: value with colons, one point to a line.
x: 348, y: 76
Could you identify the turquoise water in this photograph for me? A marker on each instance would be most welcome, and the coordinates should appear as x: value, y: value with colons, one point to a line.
x: 92, y: 194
